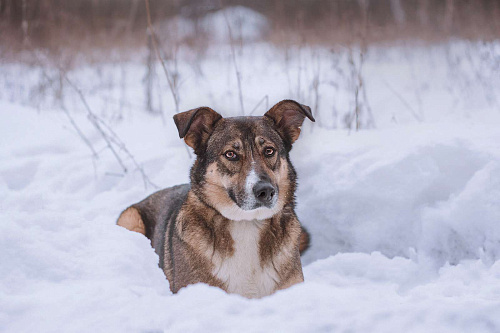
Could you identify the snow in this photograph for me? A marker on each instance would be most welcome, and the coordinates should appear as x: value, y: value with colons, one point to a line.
x: 421, y: 187
x: 404, y: 217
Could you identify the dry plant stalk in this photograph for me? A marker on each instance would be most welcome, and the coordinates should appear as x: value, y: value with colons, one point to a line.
x: 233, y: 57
x: 154, y: 40
x: 265, y: 98
x: 171, y: 83
x: 110, y: 137
x: 361, y: 106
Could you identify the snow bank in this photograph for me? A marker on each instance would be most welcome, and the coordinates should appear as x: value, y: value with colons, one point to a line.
x: 429, y: 189
x: 391, y: 206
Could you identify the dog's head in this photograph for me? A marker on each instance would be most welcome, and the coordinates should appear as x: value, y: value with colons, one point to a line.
x: 242, y: 168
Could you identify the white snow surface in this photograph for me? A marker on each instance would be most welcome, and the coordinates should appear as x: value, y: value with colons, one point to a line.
x: 404, y: 218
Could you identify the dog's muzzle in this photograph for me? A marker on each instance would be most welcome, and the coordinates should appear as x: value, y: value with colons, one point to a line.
x: 258, y: 194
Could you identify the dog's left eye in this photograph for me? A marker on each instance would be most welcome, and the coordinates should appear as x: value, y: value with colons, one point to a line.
x: 269, y: 152
x: 231, y: 155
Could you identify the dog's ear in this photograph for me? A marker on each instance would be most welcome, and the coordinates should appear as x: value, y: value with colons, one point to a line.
x: 288, y: 117
x: 196, y: 126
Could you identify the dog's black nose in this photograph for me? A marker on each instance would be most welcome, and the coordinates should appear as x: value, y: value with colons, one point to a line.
x: 264, y: 192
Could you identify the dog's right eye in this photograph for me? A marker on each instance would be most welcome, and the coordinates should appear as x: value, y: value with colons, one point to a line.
x: 231, y: 155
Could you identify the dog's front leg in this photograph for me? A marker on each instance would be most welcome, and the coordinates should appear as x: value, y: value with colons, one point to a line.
x: 292, y: 280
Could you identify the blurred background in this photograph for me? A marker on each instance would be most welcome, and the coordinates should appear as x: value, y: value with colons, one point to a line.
x: 121, y: 24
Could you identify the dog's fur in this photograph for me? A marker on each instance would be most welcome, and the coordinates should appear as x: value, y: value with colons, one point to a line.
x: 234, y: 226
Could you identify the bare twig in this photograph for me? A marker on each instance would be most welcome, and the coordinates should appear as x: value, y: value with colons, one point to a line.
x: 93, y: 119
x: 355, y: 82
x: 287, y: 69
x: 315, y: 88
x: 154, y: 40
x: 265, y: 98
x: 356, y: 110
x: 362, y: 108
x: 235, y: 64
x: 110, y: 137
x: 371, y: 119
x: 417, y: 86
x: 299, y: 72
x: 171, y: 82
x: 408, y: 106
x: 79, y: 131
x: 71, y: 120
x: 149, y: 75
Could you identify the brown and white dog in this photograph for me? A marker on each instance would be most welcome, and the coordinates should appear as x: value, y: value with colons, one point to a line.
x: 234, y: 226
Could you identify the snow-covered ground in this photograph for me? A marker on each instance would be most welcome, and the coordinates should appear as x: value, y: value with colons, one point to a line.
x: 405, y: 217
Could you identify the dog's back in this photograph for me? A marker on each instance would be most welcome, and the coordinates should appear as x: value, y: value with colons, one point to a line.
x: 155, y: 216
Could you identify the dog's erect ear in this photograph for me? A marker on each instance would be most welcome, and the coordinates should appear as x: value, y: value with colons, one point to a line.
x: 288, y: 117
x: 196, y: 126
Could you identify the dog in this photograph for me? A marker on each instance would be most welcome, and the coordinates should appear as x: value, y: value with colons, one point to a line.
x: 234, y: 226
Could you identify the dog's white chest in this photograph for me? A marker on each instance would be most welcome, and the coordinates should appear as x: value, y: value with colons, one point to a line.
x: 242, y: 272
